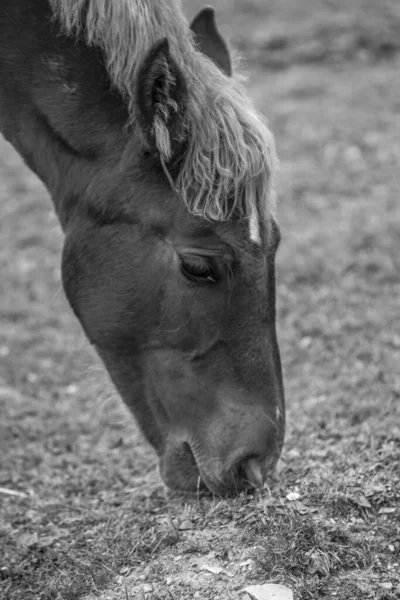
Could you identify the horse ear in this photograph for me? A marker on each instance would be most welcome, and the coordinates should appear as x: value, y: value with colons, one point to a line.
x: 210, y: 41
x: 162, y: 101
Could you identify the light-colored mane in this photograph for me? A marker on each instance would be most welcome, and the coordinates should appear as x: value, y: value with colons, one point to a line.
x: 229, y: 161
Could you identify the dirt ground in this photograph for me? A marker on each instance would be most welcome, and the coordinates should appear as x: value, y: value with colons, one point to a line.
x: 88, y: 516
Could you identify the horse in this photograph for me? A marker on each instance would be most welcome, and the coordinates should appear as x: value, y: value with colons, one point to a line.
x: 161, y: 172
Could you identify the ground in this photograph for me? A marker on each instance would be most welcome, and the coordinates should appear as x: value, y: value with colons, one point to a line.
x: 88, y: 516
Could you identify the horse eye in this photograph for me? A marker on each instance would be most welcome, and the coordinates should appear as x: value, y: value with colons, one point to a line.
x: 197, y: 268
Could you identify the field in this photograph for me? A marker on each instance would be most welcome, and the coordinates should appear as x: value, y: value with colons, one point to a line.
x: 83, y: 512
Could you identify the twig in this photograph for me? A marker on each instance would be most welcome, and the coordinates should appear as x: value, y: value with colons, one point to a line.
x: 9, y: 492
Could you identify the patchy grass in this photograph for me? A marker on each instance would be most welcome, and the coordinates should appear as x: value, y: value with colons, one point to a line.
x: 277, y: 34
x: 91, y: 517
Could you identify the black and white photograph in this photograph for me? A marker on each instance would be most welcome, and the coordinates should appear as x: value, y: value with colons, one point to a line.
x: 199, y: 300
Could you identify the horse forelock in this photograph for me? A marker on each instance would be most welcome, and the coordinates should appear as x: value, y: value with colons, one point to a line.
x: 229, y: 161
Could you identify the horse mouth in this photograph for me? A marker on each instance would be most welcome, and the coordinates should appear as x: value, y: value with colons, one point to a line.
x: 184, y: 469
x: 233, y: 482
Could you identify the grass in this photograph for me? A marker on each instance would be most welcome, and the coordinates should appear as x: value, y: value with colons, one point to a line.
x: 92, y: 518
x: 278, y: 34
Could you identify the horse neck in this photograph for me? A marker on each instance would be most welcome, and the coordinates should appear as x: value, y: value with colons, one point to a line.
x: 56, y: 106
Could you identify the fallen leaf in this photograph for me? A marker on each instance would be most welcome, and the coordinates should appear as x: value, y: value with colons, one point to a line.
x: 46, y: 540
x: 186, y: 524
x: 269, y: 591
x: 270, y: 501
x: 246, y: 563
x: 125, y: 570
x: 211, y: 569
x: 319, y: 563
x: 27, y: 539
x: 301, y: 508
x: 387, y: 510
x: 362, y: 501
x: 8, y: 392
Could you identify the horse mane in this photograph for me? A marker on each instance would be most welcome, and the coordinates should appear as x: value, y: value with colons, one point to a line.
x: 229, y: 160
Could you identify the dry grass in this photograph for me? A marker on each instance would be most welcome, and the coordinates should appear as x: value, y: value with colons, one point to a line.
x: 92, y: 518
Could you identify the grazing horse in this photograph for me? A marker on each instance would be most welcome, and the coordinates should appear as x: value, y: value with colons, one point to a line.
x: 161, y: 173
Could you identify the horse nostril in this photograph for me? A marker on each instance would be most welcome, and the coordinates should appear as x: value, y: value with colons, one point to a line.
x: 254, y: 472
